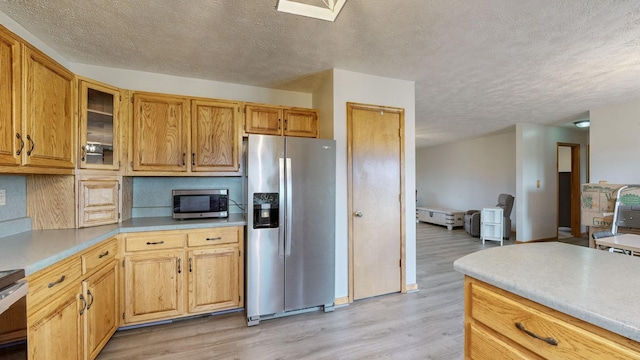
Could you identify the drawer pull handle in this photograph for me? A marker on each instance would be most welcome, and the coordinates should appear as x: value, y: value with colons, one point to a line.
x: 91, y: 295
x: 103, y: 254
x: 56, y: 282
x: 84, y: 304
x: 190, y: 265
x: 548, y: 340
x: 19, y: 151
x: 179, y: 266
x: 155, y: 243
x: 215, y: 238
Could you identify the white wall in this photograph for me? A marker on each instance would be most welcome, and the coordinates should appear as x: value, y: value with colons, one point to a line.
x: 145, y: 81
x: 564, y: 159
x: 536, y: 160
x: 614, y: 137
x: 361, y: 88
x: 467, y: 174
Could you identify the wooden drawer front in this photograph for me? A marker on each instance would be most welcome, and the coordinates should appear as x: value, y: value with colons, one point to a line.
x: 153, y: 241
x: 485, y: 345
x: 99, y: 255
x: 223, y: 235
x: 48, y: 282
x: 502, y: 313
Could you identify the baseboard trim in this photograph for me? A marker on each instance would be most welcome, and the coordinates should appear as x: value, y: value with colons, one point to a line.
x: 341, y: 301
x: 412, y: 288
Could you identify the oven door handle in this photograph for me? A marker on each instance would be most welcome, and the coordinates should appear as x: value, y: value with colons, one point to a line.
x: 12, y: 294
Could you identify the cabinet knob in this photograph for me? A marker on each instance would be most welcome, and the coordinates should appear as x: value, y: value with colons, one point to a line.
x: 357, y: 214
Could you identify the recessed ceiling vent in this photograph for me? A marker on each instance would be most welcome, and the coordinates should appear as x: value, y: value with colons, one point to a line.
x: 318, y: 9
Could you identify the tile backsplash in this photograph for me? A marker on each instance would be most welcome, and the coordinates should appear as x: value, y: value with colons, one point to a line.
x: 152, y: 195
x: 13, y: 215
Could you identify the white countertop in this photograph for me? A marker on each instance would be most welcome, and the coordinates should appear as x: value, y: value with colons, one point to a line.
x: 596, y: 286
x: 35, y: 250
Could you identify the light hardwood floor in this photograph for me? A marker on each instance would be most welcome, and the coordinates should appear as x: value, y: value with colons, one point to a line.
x: 427, y: 324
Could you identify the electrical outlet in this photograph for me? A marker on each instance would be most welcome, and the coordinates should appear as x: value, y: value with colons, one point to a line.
x: 3, y: 197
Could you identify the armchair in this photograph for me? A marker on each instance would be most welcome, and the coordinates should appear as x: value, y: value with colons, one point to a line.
x: 472, y: 217
x: 472, y: 222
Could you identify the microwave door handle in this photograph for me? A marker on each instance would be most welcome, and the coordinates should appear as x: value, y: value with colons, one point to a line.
x: 287, y: 251
x: 280, y: 207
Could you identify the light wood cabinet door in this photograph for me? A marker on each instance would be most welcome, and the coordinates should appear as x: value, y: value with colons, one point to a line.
x: 101, y: 316
x: 301, y: 123
x: 98, y: 202
x: 55, y: 331
x: 153, y: 286
x: 10, y: 121
x: 99, y: 126
x: 264, y: 120
x: 215, y: 141
x: 49, y: 112
x: 213, y: 279
x: 160, y: 132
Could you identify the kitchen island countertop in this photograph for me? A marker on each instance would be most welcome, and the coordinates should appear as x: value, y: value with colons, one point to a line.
x: 595, y: 286
x: 35, y: 250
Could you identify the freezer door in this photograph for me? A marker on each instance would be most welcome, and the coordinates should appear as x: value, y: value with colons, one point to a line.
x: 310, y: 237
x: 265, y: 245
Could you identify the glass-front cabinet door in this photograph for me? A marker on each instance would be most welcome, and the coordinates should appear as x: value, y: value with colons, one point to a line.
x: 99, y: 128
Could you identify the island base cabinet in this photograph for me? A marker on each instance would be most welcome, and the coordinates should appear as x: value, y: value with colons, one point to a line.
x: 54, y: 330
x: 502, y: 325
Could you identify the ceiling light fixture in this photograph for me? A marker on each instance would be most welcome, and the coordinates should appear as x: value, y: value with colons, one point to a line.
x: 318, y: 9
x: 582, y: 123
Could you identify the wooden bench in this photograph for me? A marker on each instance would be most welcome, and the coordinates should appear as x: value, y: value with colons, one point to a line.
x: 445, y: 217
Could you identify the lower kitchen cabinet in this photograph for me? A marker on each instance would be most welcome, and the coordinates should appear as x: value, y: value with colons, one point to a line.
x: 502, y: 325
x: 153, y: 286
x: 55, y: 331
x: 72, y: 306
x: 213, y: 279
x: 166, y: 277
x: 101, y: 315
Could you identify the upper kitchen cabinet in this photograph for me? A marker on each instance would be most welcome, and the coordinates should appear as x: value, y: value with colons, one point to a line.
x: 215, y: 136
x: 277, y: 120
x: 301, y: 122
x: 49, y: 112
x: 10, y: 122
x: 160, y: 132
x: 99, y: 147
x: 262, y: 119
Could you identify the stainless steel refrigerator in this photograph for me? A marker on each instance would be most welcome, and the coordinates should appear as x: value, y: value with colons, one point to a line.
x: 290, y: 226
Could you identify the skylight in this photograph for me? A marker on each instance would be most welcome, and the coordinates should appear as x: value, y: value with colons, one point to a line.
x: 319, y: 9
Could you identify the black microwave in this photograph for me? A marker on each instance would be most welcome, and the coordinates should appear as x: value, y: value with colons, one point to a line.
x: 200, y: 203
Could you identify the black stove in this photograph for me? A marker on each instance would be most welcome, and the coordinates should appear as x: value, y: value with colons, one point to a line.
x: 10, y: 277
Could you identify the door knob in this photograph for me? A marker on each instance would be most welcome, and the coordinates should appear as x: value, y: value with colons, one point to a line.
x: 357, y: 214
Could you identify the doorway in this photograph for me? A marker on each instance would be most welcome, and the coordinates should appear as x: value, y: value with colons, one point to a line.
x: 568, y: 196
x: 375, y: 159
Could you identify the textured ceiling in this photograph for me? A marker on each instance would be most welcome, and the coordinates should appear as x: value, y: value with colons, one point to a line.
x: 479, y: 66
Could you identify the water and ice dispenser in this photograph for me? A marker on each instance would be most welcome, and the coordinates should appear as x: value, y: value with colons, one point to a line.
x: 266, y: 210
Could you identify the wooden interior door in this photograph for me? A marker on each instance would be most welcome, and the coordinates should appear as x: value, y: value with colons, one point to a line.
x: 375, y: 206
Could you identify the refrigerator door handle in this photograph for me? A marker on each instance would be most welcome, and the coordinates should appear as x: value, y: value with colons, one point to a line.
x: 282, y: 192
x: 289, y: 206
